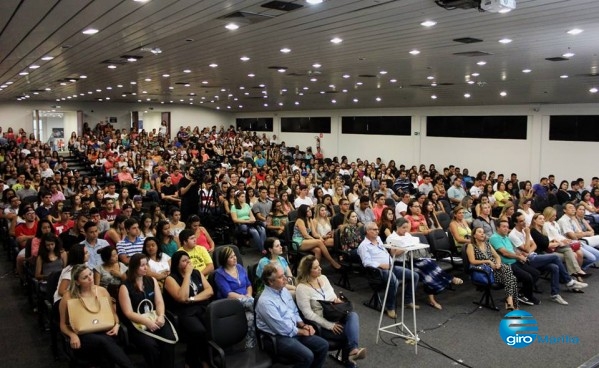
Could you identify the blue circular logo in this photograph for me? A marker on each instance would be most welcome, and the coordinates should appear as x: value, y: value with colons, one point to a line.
x: 518, y: 329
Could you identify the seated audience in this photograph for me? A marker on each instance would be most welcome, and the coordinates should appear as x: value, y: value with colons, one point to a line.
x: 110, y: 273
x: 159, y: 263
x: 51, y: 258
x: 274, y: 252
x: 244, y: 219
x: 459, y: 228
x: 308, y: 242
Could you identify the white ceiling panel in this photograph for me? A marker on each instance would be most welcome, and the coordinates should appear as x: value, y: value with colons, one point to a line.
x: 372, y: 61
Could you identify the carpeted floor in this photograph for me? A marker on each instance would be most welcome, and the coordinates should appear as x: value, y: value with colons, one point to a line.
x: 461, y: 332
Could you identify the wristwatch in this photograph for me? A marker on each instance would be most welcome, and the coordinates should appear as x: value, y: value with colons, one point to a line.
x: 192, y: 298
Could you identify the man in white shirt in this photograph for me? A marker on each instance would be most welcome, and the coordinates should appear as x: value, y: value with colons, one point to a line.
x: 303, y: 197
x: 402, y: 206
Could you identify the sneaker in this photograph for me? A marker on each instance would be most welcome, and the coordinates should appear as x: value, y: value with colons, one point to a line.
x: 558, y: 299
x: 524, y: 300
x: 535, y: 300
x: 576, y: 285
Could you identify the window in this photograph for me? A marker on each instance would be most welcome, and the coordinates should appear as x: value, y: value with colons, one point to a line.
x: 382, y: 125
x: 306, y: 125
x: 583, y: 128
x: 486, y: 127
x: 255, y: 124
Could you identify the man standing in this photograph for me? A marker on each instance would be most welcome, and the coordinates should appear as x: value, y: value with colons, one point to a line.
x: 373, y: 254
x: 277, y: 314
x: 189, y: 193
x: 93, y: 244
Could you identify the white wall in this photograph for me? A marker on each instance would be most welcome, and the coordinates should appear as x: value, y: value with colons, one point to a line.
x: 531, y: 158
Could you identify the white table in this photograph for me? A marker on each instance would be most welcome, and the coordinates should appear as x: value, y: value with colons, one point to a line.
x: 400, y: 328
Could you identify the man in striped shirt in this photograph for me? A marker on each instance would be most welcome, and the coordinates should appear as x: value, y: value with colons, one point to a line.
x: 132, y: 243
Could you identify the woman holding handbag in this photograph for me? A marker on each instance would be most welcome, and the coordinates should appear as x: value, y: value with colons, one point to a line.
x: 314, y: 287
x: 186, y: 293
x: 101, y: 343
x: 140, y: 299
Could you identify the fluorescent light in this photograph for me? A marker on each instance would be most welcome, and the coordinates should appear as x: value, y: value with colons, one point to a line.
x: 166, y: 75
x: 378, y: 99
x: 434, y: 97
x: 187, y: 71
x: 23, y: 73
x: 90, y: 31
x: 83, y: 76
x: 475, y: 74
x: 383, y: 72
x: 131, y: 59
x: 564, y: 76
x: 593, y: 90
x: 428, y: 23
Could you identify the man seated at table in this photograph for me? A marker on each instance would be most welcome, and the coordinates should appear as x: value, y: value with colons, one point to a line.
x: 277, y: 314
x: 373, y: 254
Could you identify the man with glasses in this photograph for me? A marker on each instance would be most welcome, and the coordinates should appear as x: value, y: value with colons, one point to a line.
x: 339, y: 218
x: 373, y: 254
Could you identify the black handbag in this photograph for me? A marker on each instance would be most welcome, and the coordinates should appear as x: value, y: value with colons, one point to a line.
x: 336, y: 312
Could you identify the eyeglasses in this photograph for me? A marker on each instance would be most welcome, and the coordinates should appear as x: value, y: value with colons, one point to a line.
x: 373, y: 229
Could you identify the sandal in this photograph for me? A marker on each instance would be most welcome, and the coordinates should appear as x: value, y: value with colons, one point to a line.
x: 457, y: 281
x: 436, y: 305
x: 509, y: 307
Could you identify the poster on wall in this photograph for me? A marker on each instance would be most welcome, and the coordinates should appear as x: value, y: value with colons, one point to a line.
x: 113, y: 120
x: 57, y: 132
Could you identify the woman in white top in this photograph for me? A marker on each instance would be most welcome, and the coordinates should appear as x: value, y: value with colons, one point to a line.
x: 314, y: 286
x: 526, y: 210
x: 321, y: 225
x: 159, y: 263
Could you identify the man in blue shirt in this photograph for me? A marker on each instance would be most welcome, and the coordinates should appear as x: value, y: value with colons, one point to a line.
x: 277, y: 314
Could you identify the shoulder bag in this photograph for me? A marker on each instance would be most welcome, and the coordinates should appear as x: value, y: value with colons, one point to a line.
x: 150, y: 313
x: 336, y: 312
x: 482, y: 274
x: 84, y: 319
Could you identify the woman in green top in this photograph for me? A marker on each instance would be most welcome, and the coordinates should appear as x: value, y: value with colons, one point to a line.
x: 167, y: 242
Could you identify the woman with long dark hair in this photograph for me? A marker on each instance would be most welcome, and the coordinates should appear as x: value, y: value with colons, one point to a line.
x: 306, y: 241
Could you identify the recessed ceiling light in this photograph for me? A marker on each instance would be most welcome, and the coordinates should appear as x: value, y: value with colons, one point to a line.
x: 526, y: 70
x: 336, y: 40
x: 119, y: 85
x: 574, y: 31
x: 355, y: 100
x: 282, y: 70
x: 251, y: 75
x: 378, y: 99
x: 83, y: 76
x: 467, y: 95
x: 568, y: 54
x: 244, y: 58
x: 205, y: 82
x: 232, y: 26
x: 428, y: 23
x: 475, y: 74
x: 213, y: 65
x: 346, y: 76
x: 98, y: 90
x: 393, y: 80
x: 133, y: 82
x: 132, y: 59
x: 481, y: 63
x: 285, y: 50
x: 186, y: 71
x: 148, y: 79
x: 563, y: 76
x: 334, y: 101
x: 316, y: 65
x: 72, y: 80
x: 313, y: 79
x: 470, y: 82
x: 34, y: 66
x: 415, y: 52
x: 593, y: 90
x: 359, y: 83
x: 23, y: 73
x: 305, y: 88
x: 262, y: 85
x: 503, y: 93
x: 434, y: 84
x: 90, y: 31
x: 314, y: 2
x: 108, y: 88
x: 141, y: 1
x: 111, y: 66
x: 48, y: 89
x: 434, y: 97
x: 505, y: 40
x: 47, y: 58
x: 383, y: 72
x: 296, y: 103
x: 9, y: 83
x: 166, y: 75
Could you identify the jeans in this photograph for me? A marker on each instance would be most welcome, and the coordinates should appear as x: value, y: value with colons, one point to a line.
x: 258, y: 234
x: 527, y: 275
x: 590, y: 254
x: 305, y: 351
x: 350, y: 334
x: 396, y: 276
x: 551, y: 263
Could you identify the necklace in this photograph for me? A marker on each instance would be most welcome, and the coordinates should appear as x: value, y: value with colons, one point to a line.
x: 234, y: 274
x: 319, y: 290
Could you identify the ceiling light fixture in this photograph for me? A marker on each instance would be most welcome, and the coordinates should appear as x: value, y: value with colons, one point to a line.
x: 467, y: 95
x: 568, y: 54
x: 383, y: 72
x: 111, y: 67
x: 23, y: 73
x: 244, y: 58
x: 314, y: 2
x: 574, y: 31
x: 90, y: 31
x: 346, y: 76
x: 285, y: 50
x: 393, y: 81
x: 131, y: 59
x: 428, y: 23
x: 563, y: 76
x: 166, y: 75
x: 414, y: 52
x: 83, y: 77
x: 232, y: 26
x: 34, y: 66
x: 47, y: 58
x: 481, y: 63
x: 503, y: 93
x: 336, y: 40
x: 186, y: 71
x: 378, y: 99
x: 251, y: 75
x: 593, y: 90
x: 475, y: 74
x: 316, y: 65
x: 213, y: 65
x: 434, y: 97
x: 505, y: 40
x: 526, y: 70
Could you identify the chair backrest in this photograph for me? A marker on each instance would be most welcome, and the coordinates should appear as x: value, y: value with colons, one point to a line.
x: 389, y: 202
x: 444, y: 220
x: 446, y: 205
x: 218, y: 250
x: 227, y: 324
x: 559, y: 209
x: 439, y: 240
x: 465, y: 260
x: 292, y: 215
x: 289, y: 232
x: 52, y: 285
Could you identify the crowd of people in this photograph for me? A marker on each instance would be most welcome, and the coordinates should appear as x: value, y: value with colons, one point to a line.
x: 143, y: 223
